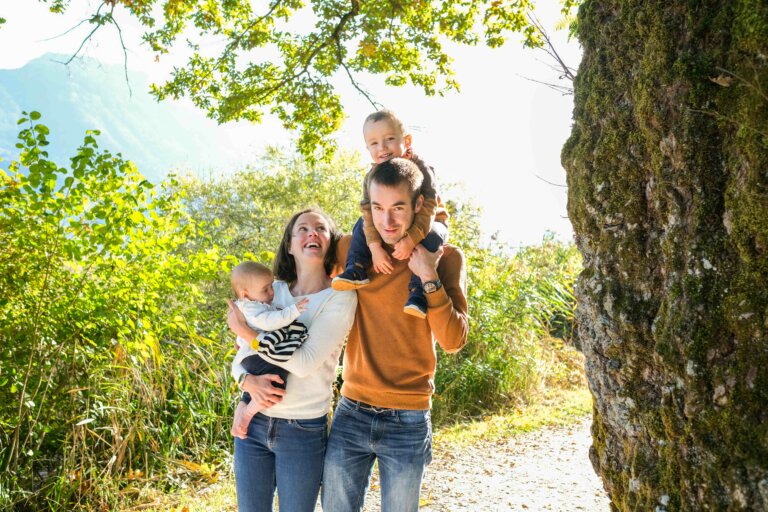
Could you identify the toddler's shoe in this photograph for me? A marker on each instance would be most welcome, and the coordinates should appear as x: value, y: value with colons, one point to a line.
x: 351, y: 279
x: 416, y: 305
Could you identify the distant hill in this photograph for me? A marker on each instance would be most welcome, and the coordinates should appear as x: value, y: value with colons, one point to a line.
x: 90, y: 95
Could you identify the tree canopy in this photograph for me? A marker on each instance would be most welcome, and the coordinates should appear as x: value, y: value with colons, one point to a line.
x: 281, y: 57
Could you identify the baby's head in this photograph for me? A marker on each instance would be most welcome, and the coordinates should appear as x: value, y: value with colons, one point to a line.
x: 253, y: 281
x: 386, y: 136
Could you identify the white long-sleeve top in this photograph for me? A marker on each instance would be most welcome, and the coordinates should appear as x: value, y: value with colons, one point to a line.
x: 265, y: 317
x: 312, y: 367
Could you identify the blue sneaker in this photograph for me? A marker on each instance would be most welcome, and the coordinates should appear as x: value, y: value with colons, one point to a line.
x: 351, y: 279
x: 416, y: 305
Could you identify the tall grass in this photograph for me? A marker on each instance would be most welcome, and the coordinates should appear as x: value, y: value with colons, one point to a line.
x: 521, y: 319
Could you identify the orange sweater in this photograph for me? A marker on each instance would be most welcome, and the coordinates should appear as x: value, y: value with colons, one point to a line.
x: 390, y: 358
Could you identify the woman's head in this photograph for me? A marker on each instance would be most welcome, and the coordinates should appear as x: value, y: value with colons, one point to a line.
x: 309, y: 239
x: 386, y: 136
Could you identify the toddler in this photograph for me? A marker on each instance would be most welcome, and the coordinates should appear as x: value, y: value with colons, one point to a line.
x: 385, y: 138
x: 280, y: 335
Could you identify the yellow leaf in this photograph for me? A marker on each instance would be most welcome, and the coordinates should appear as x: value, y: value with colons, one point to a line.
x: 722, y: 80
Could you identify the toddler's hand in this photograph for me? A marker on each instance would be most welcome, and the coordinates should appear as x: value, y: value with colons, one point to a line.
x: 403, y: 248
x: 303, y: 304
x: 382, y: 263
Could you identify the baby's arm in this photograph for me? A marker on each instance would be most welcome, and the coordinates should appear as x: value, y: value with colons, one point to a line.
x: 422, y: 225
x: 261, y: 317
x: 382, y: 263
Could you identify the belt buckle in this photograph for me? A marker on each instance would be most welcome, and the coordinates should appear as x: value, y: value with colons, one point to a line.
x: 369, y: 407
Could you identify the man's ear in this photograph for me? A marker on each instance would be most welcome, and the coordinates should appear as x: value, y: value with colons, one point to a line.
x: 419, y: 203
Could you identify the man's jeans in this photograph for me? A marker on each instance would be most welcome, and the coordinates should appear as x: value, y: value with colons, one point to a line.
x: 287, y: 454
x: 400, y: 439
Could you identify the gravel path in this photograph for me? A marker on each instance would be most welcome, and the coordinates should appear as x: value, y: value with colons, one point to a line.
x: 544, y: 470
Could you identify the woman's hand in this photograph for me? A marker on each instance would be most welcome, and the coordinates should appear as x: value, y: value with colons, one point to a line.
x: 236, y: 322
x: 262, y: 391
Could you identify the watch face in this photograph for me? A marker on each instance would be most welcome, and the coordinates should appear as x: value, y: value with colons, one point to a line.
x: 431, y: 286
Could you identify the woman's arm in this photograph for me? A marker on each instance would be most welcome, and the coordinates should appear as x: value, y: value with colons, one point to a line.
x: 326, y: 333
x: 260, y: 387
x: 236, y: 322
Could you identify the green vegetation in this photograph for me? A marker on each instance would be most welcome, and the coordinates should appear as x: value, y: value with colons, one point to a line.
x: 115, y: 382
x: 283, y: 57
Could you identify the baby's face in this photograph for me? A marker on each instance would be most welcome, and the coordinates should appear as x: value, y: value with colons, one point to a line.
x: 259, y: 287
x: 384, y: 140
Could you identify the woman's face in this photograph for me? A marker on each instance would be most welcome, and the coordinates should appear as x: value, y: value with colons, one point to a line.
x: 310, y: 238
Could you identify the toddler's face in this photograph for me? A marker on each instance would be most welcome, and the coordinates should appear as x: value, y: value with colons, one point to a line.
x: 259, y: 288
x: 384, y: 140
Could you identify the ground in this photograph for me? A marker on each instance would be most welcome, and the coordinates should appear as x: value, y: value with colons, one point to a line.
x: 547, y: 469
x: 503, y: 463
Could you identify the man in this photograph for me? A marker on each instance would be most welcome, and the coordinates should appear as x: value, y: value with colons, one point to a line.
x: 390, y: 359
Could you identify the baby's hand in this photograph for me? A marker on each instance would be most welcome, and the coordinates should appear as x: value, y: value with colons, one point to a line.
x: 303, y: 304
x: 382, y: 263
x: 403, y: 248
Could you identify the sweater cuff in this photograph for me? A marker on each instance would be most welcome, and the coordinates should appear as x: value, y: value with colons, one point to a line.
x: 437, y: 298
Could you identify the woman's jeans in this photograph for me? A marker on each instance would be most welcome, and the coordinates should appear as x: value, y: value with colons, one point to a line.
x: 283, y: 454
x: 400, y: 439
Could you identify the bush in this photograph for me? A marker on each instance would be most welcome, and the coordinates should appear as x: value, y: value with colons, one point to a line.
x: 518, y: 302
x: 103, y: 370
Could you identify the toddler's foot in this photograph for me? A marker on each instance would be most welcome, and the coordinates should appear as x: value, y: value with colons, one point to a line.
x: 243, y: 415
x: 352, y: 278
x: 416, y: 305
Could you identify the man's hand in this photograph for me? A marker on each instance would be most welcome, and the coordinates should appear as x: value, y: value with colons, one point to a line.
x: 424, y: 263
x: 382, y: 263
x: 404, y: 248
x: 262, y: 391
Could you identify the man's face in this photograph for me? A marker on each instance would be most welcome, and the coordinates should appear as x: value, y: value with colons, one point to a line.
x: 392, y: 210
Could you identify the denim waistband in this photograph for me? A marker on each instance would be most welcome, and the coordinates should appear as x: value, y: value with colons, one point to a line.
x: 367, y: 407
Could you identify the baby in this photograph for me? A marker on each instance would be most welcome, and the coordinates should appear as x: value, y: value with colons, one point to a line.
x: 280, y: 335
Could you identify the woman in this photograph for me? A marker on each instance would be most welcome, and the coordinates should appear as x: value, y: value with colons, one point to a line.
x: 285, y: 445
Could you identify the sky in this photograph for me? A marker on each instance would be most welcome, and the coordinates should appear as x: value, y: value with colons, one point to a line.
x: 498, y: 139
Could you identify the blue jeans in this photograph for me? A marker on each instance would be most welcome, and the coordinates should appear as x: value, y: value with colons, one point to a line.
x: 400, y: 439
x: 283, y: 454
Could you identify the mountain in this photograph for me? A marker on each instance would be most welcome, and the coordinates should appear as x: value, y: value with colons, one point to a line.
x: 87, y: 95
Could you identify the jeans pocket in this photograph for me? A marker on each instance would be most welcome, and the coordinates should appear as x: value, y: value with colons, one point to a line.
x: 413, y: 419
x: 312, y: 425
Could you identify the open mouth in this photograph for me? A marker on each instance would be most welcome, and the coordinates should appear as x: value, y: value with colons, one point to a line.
x: 312, y: 245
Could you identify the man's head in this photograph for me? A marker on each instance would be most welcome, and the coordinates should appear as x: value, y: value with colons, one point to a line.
x: 394, y: 188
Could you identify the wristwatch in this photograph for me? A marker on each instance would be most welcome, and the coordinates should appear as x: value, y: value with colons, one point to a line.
x: 432, y: 286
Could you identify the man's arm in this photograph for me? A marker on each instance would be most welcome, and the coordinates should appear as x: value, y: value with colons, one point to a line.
x: 447, y: 307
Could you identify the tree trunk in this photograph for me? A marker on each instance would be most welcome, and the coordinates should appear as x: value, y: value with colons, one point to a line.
x: 668, y: 195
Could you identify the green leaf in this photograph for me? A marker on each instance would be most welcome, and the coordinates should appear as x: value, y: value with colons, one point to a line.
x: 34, y: 115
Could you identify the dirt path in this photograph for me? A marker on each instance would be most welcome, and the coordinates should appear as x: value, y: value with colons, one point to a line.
x: 545, y: 470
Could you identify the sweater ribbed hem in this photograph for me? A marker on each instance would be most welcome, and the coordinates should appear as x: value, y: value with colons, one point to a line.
x: 415, y: 402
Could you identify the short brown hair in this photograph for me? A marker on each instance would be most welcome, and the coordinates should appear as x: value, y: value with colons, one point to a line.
x: 387, y: 115
x: 247, y: 268
x: 285, y: 264
x: 398, y: 171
